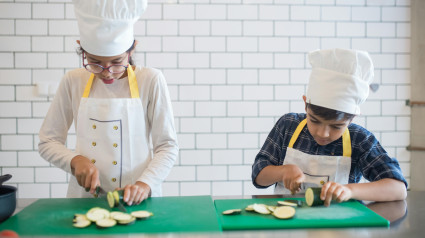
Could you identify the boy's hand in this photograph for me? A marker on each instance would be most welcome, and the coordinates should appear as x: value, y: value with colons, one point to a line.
x: 292, y: 177
x: 136, y: 193
x: 85, y: 172
x: 335, y: 191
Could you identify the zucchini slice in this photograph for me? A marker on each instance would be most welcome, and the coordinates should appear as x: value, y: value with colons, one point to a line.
x: 261, y: 208
x: 271, y: 208
x: 97, y: 213
x: 81, y: 223
x: 111, y: 200
x: 118, y: 195
x: 232, y: 212
x: 127, y: 222
x: 249, y: 208
x: 122, y: 217
x: 105, y: 223
x: 140, y: 215
x: 284, y: 212
x: 312, y: 197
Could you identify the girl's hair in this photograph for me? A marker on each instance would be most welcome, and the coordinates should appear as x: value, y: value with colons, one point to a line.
x: 80, y: 50
x: 329, y: 114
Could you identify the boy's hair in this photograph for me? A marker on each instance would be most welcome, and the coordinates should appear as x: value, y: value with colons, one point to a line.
x: 329, y: 114
x: 80, y: 50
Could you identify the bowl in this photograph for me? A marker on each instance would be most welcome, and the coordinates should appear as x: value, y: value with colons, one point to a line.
x: 7, y: 201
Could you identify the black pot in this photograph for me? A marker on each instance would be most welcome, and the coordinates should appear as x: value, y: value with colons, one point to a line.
x: 7, y: 198
x: 7, y: 201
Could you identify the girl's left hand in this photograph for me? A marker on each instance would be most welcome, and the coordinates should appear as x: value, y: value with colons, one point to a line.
x: 136, y: 193
x: 335, y: 191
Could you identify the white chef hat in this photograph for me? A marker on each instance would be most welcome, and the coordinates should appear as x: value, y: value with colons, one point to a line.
x: 339, y: 79
x: 106, y: 26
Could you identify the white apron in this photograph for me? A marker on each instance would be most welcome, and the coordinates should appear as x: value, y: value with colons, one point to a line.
x: 318, y: 169
x: 111, y: 132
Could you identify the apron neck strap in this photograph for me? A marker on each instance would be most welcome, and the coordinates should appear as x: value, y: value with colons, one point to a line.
x: 346, y: 140
x: 132, y: 82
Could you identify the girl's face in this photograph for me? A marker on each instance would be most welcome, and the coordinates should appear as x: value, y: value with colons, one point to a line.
x: 106, y: 76
x: 325, y: 131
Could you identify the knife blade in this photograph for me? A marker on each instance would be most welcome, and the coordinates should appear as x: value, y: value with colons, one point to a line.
x: 121, y: 207
x: 100, y: 192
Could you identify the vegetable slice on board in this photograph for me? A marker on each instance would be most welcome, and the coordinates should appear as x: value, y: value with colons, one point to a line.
x: 292, y: 203
x: 284, y: 212
x: 312, y: 197
x: 261, y: 208
x: 141, y: 214
x: 82, y: 223
x: 232, y: 212
x: 105, y: 223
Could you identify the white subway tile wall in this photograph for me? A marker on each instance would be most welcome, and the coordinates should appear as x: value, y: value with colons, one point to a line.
x: 233, y: 67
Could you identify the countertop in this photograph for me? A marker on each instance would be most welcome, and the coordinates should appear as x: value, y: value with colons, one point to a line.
x: 407, y: 219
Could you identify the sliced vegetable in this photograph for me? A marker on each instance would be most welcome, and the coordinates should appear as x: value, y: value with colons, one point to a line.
x: 111, y: 199
x: 122, y: 217
x: 261, y: 208
x: 118, y: 195
x: 271, y: 208
x: 97, y: 213
x: 312, y: 197
x: 141, y: 214
x: 284, y: 212
x: 127, y: 222
x: 292, y: 203
x: 105, y: 223
x: 250, y: 208
x: 232, y: 212
x: 82, y: 223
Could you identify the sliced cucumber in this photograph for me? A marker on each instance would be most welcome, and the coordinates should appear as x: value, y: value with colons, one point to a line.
x: 271, y: 208
x: 97, y: 213
x: 118, y: 195
x: 284, y: 212
x: 250, y: 208
x: 105, y: 223
x: 127, y: 222
x: 122, y: 217
x: 312, y: 197
x: 141, y: 214
x: 261, y: 208
x: 111, y: 200
x: 232, y: 212
x: 81, y: 223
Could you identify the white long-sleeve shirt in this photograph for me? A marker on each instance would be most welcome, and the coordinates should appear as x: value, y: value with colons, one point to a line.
x: 156, y: 103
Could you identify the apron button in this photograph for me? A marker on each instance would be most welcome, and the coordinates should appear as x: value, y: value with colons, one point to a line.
x: 115, y: 162
x: 115, y: 127
x: 322, y: 182
x: 332, y: 153
x: 93, y: 161
x: 114, y: 179
x: 115, y: 145
x: 94, y: 126
x: 93, y: 143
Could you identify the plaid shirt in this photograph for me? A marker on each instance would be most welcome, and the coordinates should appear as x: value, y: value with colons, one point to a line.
x: 368, y: 158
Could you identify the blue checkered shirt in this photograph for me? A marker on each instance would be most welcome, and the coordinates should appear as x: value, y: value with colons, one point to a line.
x: 368, y: 158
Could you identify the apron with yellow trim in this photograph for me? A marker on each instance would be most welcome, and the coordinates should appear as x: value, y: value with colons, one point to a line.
x: 318, y: 169
x: 111, y: 132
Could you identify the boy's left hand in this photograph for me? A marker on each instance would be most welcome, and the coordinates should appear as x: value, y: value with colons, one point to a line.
x: 335, y: 191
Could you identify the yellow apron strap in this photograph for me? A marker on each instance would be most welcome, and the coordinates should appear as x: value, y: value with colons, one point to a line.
x: 134, y: 88
x: 346, y: 143
x: 132, y: 81
x: 88, y: 86
x: 346, y: 140
x: 297, y: 133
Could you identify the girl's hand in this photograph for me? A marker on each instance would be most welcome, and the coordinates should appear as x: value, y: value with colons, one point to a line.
x: 292, y: 177
x: 136, y: 193
x: 335, y: 191
x: 85, y: 172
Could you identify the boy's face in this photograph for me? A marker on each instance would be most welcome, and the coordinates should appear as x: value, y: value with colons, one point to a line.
x: 325, y: 131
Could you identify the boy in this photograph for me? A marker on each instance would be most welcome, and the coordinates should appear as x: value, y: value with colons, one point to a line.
x: 330, y: 151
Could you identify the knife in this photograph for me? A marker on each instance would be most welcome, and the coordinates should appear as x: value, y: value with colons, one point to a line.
x: 101, y: 193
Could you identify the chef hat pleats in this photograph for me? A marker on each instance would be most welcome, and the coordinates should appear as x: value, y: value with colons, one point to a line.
x: 339, y: 79
x: 107, y: 26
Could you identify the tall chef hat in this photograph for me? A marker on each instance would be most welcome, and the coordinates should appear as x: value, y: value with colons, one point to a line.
x: 106, y: 26
x: 339, y: 79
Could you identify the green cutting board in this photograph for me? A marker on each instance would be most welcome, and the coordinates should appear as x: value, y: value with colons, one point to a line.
x: 346, y: 214
x: 171, y: 214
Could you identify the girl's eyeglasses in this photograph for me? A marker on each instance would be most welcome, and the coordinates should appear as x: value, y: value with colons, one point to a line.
x: 113, y: 69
